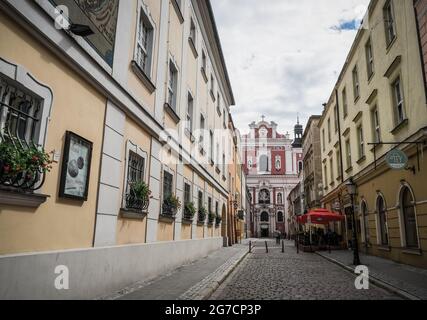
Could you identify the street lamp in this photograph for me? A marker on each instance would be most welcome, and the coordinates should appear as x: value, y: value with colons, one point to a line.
x: 351, y: 189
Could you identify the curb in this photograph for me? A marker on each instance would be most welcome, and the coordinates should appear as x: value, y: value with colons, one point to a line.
x: 215, y: 283
x: 379, y: 283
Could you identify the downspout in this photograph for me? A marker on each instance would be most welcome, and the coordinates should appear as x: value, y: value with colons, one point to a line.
x: 339, y: 135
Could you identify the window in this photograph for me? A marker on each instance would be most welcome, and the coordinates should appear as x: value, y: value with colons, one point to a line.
x: 209, y: 204
x: 135, y: 174
x: 264, y: 197
x: 217, y: 154
x: 323, y: 139
x: 390, y: 28
x: 382, y: 221
x: 331, y: 167
x: 223, y: 164
x: 204, y: 62
x: 279, y: 198
x: 376, y: 130
x: 348, y: 153
x: 336, y: 118
x: 202, y: 129
x: 329, y: 130
x: 264, y: 217
x: 325, y: 170
x: 20, y: 114
x: 192, y: 31
x: 398, y: 102
x: 212, y: 85
x: 144, y: 43
x: 361, y: 142
x: 344, y: 103
x: 172, y: 85
x: 217, y: 208
x: 369, y: 59
x: 263, y: 163
x: 300, y: 166
x: 338, y: 154
x: 409, y: 219
x: 225, y: 120
x: 356, y: 84
x: 189, y: 115
x: 365, y: 217
x: 187, y: 193
x: 280, y: 216
x: 200, y: 199
x: 167, y: 184
x: 211, y: 145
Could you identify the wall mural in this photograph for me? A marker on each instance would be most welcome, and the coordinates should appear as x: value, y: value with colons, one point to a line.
x: 101, y: 17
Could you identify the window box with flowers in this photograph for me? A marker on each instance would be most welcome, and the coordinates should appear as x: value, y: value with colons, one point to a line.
x: 218, y: 220
x: 137, y: 200
x: 189, y: 212
x: 23, y: 168
x: 170, y: 207
x: 211, y: 218
x: 201, y: 217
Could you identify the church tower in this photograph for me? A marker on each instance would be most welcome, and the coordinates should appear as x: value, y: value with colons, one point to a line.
x: 298, y: 132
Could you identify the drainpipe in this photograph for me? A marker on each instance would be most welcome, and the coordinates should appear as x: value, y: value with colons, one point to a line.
x: 339, y: 135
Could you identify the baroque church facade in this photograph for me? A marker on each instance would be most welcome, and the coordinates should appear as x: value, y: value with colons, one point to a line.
x: 272, y: 163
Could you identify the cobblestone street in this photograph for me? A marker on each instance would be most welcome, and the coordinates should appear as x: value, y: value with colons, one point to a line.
x: 291, y: 276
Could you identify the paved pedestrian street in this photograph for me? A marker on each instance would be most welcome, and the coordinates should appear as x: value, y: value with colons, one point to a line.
x: 291, y: 276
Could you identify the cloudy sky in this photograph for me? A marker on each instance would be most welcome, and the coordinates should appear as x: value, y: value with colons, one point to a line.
x: 284, y: 56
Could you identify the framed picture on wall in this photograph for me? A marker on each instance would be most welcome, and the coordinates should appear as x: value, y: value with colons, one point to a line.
x: 75, y: 171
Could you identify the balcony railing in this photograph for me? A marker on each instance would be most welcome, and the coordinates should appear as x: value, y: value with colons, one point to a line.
x: 135, y: 203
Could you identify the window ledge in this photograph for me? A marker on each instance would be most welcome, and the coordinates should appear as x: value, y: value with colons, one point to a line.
x: 357, y: 99
x: 399, y: 126
x: 212, y: 95
x: 217, y: 169
x: 370, y: 77
x: 143, y: 77
x: 224, y: 178
x: 166, y: 218
x: 200, y: 224
x: 133, y: 214
x: 338, y: 178
x: 193, y: 47
x: 170, y: 111
x: 218, y: 110
x: 361, y: 160
x: 205, y: 77
x: 390, y: 44
x: 211, y: 162
x: 22, y: 199
x: 178, y: 11
x: 187, y: 221
x: 349, y: 170
x: 384, y: 248
x: 416, y: 252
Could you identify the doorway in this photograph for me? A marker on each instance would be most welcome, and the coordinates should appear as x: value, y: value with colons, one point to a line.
x: 264, y: 232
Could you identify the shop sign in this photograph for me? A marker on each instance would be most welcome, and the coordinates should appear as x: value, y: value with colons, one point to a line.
x: 396, y: 159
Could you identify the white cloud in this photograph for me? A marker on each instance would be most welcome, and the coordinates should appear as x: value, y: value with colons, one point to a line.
x: 283, y: 56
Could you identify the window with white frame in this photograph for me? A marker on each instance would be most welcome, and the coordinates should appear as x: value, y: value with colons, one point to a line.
x: 204, y: 61
x: 361, y: 141
x: 189, y: 114
x: 192, y: 31
x: 187, y: 193
x: 331, y: 168
x: 344, y: 103
x: 144, y: 42
x: 399, y: 109
x: 212, y: 84
x: 356, y: 84
x: 172, y: 86
x: 369, y: 58
x: 329, y: 130
x: 348, y: 153
x: 202, y: 129
x: 390, y: 27
x: 376, y: 130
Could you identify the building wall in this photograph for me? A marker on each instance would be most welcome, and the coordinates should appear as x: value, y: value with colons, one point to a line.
x: 77, y: 107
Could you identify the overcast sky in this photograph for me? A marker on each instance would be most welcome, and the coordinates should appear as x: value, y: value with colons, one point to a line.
x: 284, y: 56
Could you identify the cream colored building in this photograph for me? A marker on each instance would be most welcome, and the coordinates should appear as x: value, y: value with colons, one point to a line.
x: 380, y: 98
x: 150, y: 90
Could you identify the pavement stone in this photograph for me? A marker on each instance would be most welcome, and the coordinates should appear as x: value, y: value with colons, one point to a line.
x: 403, y: 278
x: 291, y: 276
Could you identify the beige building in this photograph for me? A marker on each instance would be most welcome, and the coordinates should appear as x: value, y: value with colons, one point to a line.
x: 139, y: 95
x: 380, y: 98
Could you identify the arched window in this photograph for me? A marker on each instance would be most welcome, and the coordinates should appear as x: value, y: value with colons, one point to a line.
x: 280, y: 216
x: 365, y: 217
x: 263, y: 163
x: 279, y: 198
x: 381, y: 210
x: 409, y: 219
x: 264, y: 217
x: 264, y: 196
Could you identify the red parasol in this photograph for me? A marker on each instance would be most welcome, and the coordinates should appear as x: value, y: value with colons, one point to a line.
x: 320, y: 216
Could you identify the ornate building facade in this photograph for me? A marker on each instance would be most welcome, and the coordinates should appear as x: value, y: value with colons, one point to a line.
x: 272, y: 162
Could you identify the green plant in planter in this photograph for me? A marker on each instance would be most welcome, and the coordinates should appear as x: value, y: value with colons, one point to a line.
x: 211, y: 217
x: 202, y: 214
x: 140, y: 190
x: 172, y: 204
x: 189, y: 210
x: 218, y: 219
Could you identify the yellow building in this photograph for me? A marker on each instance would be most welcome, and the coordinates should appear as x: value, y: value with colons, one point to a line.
x: 138, y: 97
x: 379, y: 105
